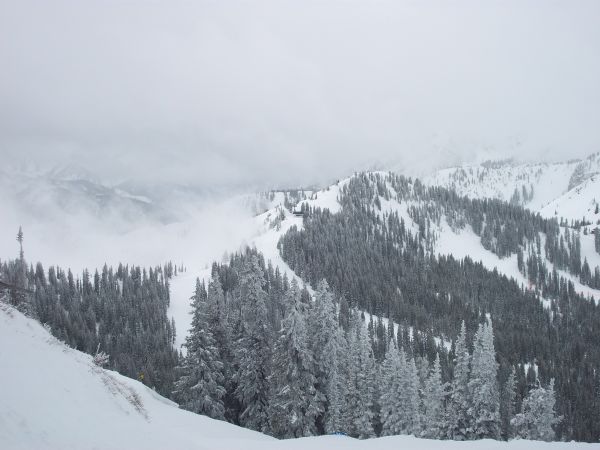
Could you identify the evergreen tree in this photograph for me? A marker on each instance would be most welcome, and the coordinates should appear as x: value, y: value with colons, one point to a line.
x: 19, y: 296
x: 361, y: 382
x: 335, y: 391
x: 391, y: 377
x: 538, y: 417
x: 483, y: 386
x: 295, y: 404
x: 409, y: 409
x: 433, y: 403
x: 219, y: 326
x: 252, y: 352
x: 458, y: 405
x: 507, y: 404
x: 200, y: 387
x: 325, y: 346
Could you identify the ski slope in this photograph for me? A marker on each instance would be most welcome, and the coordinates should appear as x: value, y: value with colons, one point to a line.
x: 54, y: 398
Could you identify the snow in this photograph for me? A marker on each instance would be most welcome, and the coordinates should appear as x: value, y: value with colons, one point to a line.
x: 412, y: 443
x: 401, y: 208
x: 328, y: 198
x: 588, y: 250
x: 260, y: 234
x: 139, y: 198
x: 552, y: 196
x: 582, y: 289
x: 53, y: 397
x: 180, y: 308
x: 465, y: 242
x: 577, y: 203
x: 477, y: 181
x: 267, y: 237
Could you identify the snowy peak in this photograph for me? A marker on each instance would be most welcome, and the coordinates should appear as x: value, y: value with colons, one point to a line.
x: 541, y: 187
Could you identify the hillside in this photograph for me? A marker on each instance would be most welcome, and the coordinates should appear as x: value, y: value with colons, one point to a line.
x: 493, y: 236
x: 566, y: 189
x: 58, y: 399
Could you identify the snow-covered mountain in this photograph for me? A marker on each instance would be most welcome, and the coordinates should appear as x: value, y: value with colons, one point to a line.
x: 54, y: 398
x: 73, y: 190
x: 569, y: 189
x: 260, y: 220
x: 269, y: 226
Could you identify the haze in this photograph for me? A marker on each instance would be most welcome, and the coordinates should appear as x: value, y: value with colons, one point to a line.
x: 276, y: 93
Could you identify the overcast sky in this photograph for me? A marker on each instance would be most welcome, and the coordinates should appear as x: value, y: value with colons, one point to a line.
x: 289, y: 92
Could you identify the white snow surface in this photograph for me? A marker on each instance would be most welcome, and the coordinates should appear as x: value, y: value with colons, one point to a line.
x: 54, y: 398
x: 577, y: 203
x: 557, y: 193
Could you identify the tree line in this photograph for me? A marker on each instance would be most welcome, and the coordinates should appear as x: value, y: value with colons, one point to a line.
x: 121, y: 312
x: 379, y: 263
x: 263, y: 354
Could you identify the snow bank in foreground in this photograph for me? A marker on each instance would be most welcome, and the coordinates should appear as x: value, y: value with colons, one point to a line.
x: 53, y: 397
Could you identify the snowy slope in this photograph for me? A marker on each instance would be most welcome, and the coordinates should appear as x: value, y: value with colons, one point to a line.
x: 499, y: 180
x: 262, y: 232
x: 577, y: 203
x: 567, y: 189
x: 53, y: 397
x: 267, y: 229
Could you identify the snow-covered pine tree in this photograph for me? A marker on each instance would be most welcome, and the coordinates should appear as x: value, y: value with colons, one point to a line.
x: 200, y: 388
x: 483, y: 386
x: 217, y: 317
x: 219, y: 326
x: 538, y: 416
x: 324, y: 338
x: 409, y: 400
x: 433, y: 403
x: 336, y: 387
x: 295, y: 404
x: 507, y: 404
x: 252, y: 349
x: 457, y: 418
x: 391, y: 378
x: 361, y: 381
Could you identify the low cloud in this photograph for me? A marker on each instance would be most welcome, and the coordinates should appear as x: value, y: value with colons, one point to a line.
x: 288, y: 93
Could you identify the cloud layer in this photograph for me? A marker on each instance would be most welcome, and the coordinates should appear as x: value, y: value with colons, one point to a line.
x: 284, y: 92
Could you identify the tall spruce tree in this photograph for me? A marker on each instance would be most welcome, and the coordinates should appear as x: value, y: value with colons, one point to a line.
x: 335, y: 391
x: 507, y: 404
x: 537, y: 419
x: 200, y: 388
x: 433, y: 403
x: 409, y: 409
x: 457, y: 418
x: 361, y: 381
x: 324, y: 341
x: 252, y: 349
x: 295, y: 404
x: 219, y: 326
x: 483, y: 386
x: 392, y: 372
